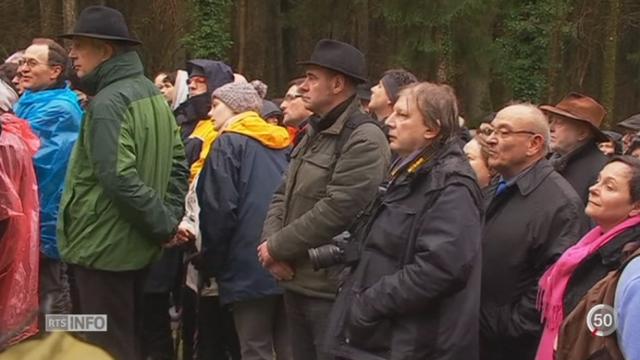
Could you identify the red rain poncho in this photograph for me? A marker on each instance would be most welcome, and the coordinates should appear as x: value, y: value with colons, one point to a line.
x: 19, y: 247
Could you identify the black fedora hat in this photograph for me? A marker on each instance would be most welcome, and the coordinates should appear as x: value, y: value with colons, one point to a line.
x: 340, y: 57
x: 102, y: 22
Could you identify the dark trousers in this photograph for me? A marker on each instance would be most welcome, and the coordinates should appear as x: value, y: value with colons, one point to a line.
x: 217, y: 339
x: 117, y: 294
x: 262, y: 328
x: 54, y: 290
x: 157, y: 342
x: 308, y: 322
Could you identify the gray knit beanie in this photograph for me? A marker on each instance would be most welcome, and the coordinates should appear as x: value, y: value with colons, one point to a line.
x: 239, y: 97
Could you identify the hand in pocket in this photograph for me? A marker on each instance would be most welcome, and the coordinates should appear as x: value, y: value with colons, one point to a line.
x: 363, y: 329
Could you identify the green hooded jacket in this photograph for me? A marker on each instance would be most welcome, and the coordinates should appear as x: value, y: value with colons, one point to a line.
x: 127, y: 177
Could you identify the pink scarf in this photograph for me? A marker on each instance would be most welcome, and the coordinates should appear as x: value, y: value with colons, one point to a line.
x: 554, y: 281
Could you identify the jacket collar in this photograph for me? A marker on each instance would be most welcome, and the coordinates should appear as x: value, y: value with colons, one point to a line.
x: 118, y: 67
x: 252, y: 125
x: 446, y: 165
x: 334, y: 121
x: 45, y: 96
x: 529, y: 181
x: 446, y: 159
x: 560, y: 163
x: 611, y: 253
x: 196, y: 108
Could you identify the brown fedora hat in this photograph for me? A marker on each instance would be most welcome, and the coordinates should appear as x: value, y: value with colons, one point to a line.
x: 581, y: 108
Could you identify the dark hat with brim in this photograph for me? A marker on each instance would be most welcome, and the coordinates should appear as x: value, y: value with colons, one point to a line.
x: 341, y: 57
x: 581, y: 108
x: 612, y: 135
x: 104, y: 23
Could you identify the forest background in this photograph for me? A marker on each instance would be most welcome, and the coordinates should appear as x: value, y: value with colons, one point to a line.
x: 491, y: 51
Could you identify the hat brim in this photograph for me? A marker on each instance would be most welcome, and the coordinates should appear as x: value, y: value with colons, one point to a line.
x: 129, y: 41
x: 357, y: 77
x: 624, y: 126
x: 600, y: 136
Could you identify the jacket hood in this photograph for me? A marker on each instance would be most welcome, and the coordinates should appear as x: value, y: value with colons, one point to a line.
x: 182, y: 89
x: 217, y: 73
x: 44, y: 97
x: 252, y: 125
x: 118, y: 67
x: 8, y: 97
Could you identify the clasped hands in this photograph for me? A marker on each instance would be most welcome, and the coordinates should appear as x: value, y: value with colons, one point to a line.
x: 182, y: 236
x: 279, y: 269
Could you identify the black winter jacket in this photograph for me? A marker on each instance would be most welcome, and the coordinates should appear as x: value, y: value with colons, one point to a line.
x: 581, y: 167
x: 415, y: 292
x: 526, y: 229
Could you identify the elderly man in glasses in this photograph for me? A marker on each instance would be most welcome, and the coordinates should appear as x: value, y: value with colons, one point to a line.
x: 532, y: 215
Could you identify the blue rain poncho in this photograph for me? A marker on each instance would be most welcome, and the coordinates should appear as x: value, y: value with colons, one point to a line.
x: 55, y: 116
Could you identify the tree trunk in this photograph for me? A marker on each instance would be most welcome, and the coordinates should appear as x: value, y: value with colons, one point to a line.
x: 278, y: 86
x: 610, y: 59
x: 472, y: 79
x: 47, y: 17
x: 242, y: 34
x: 442, y: 41
x: 362, y: 23
x: 555, y: 52
x: 69, y: 10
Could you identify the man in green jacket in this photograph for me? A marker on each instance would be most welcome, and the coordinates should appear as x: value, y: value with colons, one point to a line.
x: 329, y: 181
x: 126, y: 182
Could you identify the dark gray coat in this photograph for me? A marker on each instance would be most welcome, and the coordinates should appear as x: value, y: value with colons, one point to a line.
x: 415, y: 293
x: 581, y: 167
x: 526, y: 230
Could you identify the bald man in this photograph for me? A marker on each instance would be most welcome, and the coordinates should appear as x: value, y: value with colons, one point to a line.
x: 532, y: 215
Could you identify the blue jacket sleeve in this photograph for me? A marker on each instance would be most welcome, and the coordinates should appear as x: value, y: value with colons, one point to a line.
x: 218, y: 198
x: 628, y: 310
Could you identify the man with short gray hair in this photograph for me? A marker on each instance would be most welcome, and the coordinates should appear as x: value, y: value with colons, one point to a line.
x: 532, y: 215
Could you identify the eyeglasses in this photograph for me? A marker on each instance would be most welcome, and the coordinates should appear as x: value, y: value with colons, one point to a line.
x: 196, y: 79
x: 31, y: 63
x: 290, y: 97
x: 503, y: 133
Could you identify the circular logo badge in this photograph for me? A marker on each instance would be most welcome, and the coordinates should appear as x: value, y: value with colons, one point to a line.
x: 602, y: 320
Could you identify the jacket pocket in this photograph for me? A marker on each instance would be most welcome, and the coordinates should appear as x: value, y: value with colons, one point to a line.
x: 362, y: 332
x: 391, y: 232
x: 314, y: 174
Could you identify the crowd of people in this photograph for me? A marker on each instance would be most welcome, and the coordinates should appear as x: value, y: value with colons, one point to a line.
x: 340, y: 221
